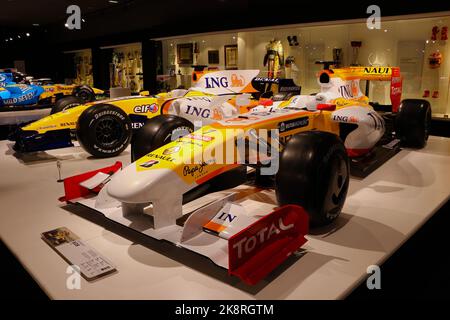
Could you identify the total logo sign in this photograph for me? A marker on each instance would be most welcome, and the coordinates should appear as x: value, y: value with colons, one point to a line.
x: 146, y: 108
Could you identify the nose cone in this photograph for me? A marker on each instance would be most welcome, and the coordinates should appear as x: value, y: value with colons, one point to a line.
x: 143, y: 186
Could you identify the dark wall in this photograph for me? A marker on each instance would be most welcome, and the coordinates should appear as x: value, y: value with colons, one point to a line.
x: 141, y: 20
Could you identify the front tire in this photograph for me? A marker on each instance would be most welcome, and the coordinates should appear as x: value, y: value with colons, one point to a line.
x: 104, y: 130
x: 413, y: 122
x: 157, y: 132
x: 314, y: 173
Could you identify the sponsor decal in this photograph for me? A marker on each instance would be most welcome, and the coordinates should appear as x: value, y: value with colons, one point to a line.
x: 145, y: 108
x: 216, y: 82
x: 171, y: 150
x: 350, y: 119
x: 223, y: 82
x: 198, y: 111
x: 260, y: 113
x: 247, y: 244
x: 68, y: 124
x: 377, y: 70
x: 293, y: 124
x: 161, y: 157
x: 194, y: 170
x: 237, y: 81
x: 346, y: 91
x: 47, y: 127
x: 149, y: 164
x: 21, y: 98
x: 137, y: 125
x: 199, y: 137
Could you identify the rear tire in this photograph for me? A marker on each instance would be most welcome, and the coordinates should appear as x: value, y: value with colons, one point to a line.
x: 66, y: 103
x: 156, y: 132
x: 85, y: 93
x: 104, y: 130
x: 413, y: 122
x: 314, y: 173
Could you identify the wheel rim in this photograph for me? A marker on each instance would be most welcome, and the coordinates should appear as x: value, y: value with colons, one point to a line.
x: 337, y: 189
x: 84, y: 95
x: 108, y: 132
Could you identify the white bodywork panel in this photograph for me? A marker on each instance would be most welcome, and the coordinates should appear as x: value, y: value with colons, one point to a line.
x: 254, y: 204
x: 370, y: 126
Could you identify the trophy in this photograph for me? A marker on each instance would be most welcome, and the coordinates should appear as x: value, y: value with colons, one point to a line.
x: 355, y: 52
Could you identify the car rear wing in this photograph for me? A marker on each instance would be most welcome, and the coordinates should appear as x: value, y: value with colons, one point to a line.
x: 224, y: 81
x: 372, y: 73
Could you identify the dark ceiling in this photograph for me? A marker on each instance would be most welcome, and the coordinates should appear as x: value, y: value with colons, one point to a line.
x: 24, y: 13
x: 133, y: 20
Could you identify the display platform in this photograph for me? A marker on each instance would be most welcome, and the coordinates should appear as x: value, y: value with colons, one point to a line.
x: 381, y: 212
x: 23, y: 116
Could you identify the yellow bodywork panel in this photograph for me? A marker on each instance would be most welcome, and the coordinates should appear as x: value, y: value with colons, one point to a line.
x: 144, y: 106
x: 213, y: 150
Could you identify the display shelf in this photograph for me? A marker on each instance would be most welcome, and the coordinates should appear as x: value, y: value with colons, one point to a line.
x: 381, y: 212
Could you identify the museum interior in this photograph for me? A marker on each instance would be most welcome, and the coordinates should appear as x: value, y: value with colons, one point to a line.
x: 356, y: 98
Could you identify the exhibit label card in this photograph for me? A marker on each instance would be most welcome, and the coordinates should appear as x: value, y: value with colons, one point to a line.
x: 68, y: 245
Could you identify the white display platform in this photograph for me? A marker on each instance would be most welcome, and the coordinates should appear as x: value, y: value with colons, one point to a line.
x: 18, y: 117
x: 381, y: 212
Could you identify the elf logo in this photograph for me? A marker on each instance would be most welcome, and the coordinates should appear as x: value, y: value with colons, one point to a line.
x: 198, y: 112
x: 152, y: 108
x: 376, y: 70
x: 247, y: 244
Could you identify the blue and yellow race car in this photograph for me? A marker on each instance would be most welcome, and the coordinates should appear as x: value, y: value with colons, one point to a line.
x: 16, y: 93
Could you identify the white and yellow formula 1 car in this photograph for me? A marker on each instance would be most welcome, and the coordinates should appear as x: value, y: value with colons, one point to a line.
x: 167, y: 193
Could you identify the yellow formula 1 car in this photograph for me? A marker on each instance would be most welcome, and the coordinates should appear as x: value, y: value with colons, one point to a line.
x: 104, y: 128
x: 299, y: 147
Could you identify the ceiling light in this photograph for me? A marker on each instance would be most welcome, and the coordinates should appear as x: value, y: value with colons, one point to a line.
x: 83, y: 20
x: 35, y: 24
x: 66, y: 25
x: 10, y: 39
x: 18, y: 37
x: 113, y: 1
x: 27, y: 34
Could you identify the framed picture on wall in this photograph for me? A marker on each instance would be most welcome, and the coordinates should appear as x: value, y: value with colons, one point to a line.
x: 185, y: 53
x: 213, y: 56
x: 231, y: 57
